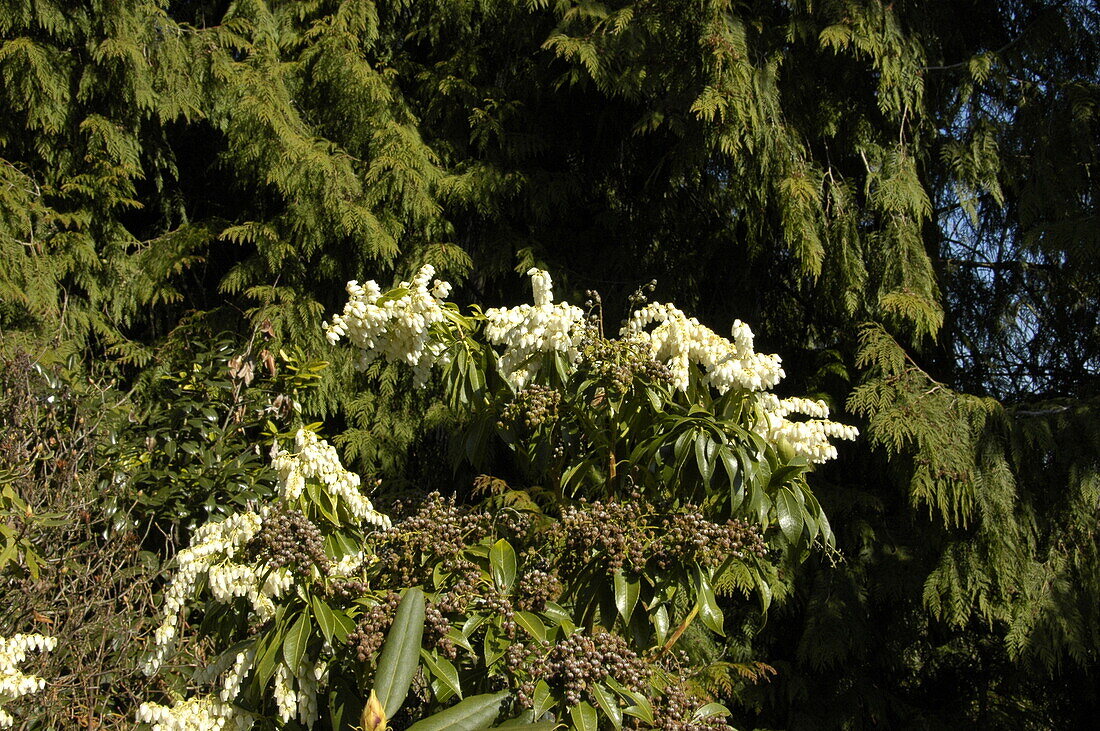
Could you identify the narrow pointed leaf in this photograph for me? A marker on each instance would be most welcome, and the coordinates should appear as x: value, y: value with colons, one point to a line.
x: 532, y: 624
x: 609, y: 704
x: 294, y: 644
x: 709, y: 611
x: 626, y: 595
x: 401, y: 652
x: 444, y: 670
x: 660, y: 623
x: 474, y: 713
x: 584, y: 717
x: 502, y: 561
x: 789, y: 513
x: 325, y: 619
x: 710, y: 710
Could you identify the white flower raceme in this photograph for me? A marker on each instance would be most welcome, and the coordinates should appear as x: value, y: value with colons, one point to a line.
x: 318, y: 460
x: 211, y: 555
x: 285, y: 698
x: 679, y: 341
x: 195, y: 714
x: 13, y: 682
x: 528, y: 331
x: 396, y: 327
x: 808, y: 438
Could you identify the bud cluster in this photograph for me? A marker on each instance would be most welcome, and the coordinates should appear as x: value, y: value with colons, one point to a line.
x: 618, y: 364
x: 535, y: 588
x: 453, y: 601
x: 690, y: 538
x: 615, y: 531
x: 627, y: 535
x: 533, y: 406
x: 288, y: 538
x: 346, y: 587
x: 438, y: 528
x: 674, y: 710
x: 370, y: 630
x: 576, y: 664
x: 515, y: 525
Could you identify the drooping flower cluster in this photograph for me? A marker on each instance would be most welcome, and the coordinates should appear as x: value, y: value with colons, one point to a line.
x: 214, y: 548
x: 296, y: 692
x: 195, y: 714
x: 531, y: 330
x: 809, y: 438
x: 680, y: 341
x: 396, y: 326
x: 318, y: 460
x: 13, y: 682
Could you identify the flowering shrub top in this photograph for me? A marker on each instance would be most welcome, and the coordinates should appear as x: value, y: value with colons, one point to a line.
x: 680, y: 342
x: 317, y: 459
x: 660, y: 472
x: 409, y: 325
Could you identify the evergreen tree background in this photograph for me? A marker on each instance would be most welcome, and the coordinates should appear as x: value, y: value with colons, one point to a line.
x: 901, y: 198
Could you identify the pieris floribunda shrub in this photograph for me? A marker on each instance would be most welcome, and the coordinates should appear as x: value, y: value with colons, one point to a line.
x: 655, y: 465
x: 13, y: 682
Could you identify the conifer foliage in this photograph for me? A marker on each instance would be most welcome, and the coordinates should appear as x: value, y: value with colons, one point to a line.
x: 900, y: 196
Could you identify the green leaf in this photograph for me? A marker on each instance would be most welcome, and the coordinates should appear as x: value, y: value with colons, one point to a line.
x: 765, y: 590
x: 295, y: 642
x: 494, y: 645
x: 443, y: 669
x: 641, y: 708
x: 472, y: 714
x: 709, y: 710
x: 608, y: 704
x: 541, y: 700
x: 584, y: 717
x: 705, y: 450
x: 532, y: 624
x: 555, y: 613
x: 709, y: 611
x: 787, y: 473
x: 401, y: 652
x: 269, y: 657
x: 660, y: 622
x: 654, y: 398
x: 761, y: 504
x: 31, y: 559
x: 459, y: 639
x: 472, y: 623
x: 502, y: 561
x: 7, y: 554
x: 524, y: 721
x: 322, y: 612
x: 729, y: 463
x: 626, y: 595
x: 345, y: 625
x: 790, y: 514
x: 680, y: 448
